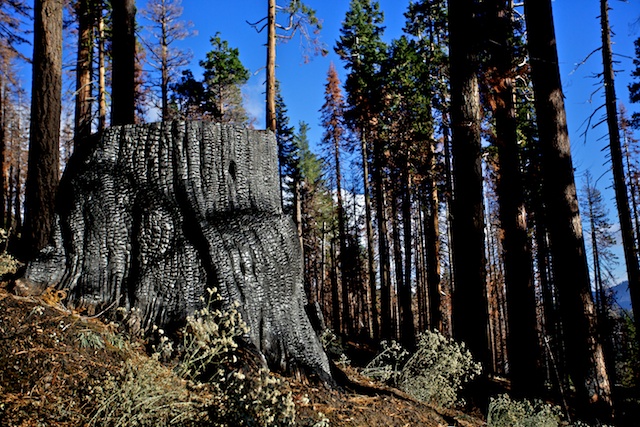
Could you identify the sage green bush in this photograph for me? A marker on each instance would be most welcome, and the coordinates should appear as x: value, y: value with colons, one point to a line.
x: 434, y: 373
x: 438, y: 370
x: 8, y: 263
x: 146, y: 393
x: 505, y: 412
x: 204, y: 388
x: 387, y: 365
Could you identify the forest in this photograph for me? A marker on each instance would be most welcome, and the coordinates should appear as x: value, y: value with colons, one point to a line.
x: 442, y: 196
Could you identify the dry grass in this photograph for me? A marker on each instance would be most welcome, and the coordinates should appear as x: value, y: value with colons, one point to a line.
x: 62, y: 369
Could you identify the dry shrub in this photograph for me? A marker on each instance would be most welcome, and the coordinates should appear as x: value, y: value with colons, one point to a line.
x: 203, y: 388
x: 505, y: 412
x: 146, y: 393
x: 434, y: 373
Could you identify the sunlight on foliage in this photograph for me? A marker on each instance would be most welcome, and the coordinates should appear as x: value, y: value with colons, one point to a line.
x: 210, y: 338
x: 256, y: 400
x: 146, y: 393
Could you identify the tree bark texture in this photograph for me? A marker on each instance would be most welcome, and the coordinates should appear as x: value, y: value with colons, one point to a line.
x: 151, y: 216
x: 84, y: 68
x: 271, y: 65
x: 102, y: 77
x: 524, y: 352
x: 570, y: 271
x: 469, y: 305
x: 375, y: 323
x: 433, y: 247
x: 44, y: 137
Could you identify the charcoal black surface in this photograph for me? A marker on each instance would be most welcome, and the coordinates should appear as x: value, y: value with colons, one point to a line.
x: 151, y: 216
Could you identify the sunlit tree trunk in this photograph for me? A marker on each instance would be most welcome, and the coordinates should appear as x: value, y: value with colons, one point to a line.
x: 373, y: 292
x: 469, y: 304
x: 386, y: 323
x: 407, y: 328
x: 524, y: 352
x: 102, y: 79
x: 570, y: 271
x: 617, y: 167
x: 82, y: 129
x: 432, y: 237
x: 44, y: 136
x: 6, y: 192
x: 271, y: 66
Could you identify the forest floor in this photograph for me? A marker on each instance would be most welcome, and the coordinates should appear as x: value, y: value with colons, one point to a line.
x: 48, y: 376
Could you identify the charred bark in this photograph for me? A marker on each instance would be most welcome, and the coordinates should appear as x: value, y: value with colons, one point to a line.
x: 150, y: 217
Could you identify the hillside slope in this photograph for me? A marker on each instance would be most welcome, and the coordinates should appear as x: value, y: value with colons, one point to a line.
x: 55, y: 364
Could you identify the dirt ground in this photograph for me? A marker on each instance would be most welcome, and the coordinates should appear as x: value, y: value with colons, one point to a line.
x: 49, y: 369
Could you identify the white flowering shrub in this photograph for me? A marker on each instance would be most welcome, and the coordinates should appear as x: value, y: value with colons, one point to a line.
x: 387, y: 365
x: 145, y: 393
x: 210, y: 338
x: 253, y: 401
x: 505, y: 412
x: 8, y: 264
x: 434, y: 373
x: 438, y: 370
x: 203, y: 389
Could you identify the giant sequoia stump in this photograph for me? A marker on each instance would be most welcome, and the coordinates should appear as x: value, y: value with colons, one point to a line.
x: 151, y: 216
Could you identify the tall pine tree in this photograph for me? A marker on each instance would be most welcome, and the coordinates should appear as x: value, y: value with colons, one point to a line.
x: 44, y: 155
x: 333, y: 139
x: 361, y: 48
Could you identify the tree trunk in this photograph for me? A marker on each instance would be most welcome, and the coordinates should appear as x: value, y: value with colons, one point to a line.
x: 386, y: 324
x: 4, y: 182
x: 407, y: 327
x: 346, y: 265
x: 445, y: 303
x: 617, y: 167
x: 82, y: 129
x: 335, y: 290
x: 373, y: 292
x: 570, y: 270
x: 17, y: 221
x: 123, y: 74
x: 44, y: 136
x: 469, y: 305
x: 102, y: 79
x: 8, y: 224
x: 432, y: 237
x: 164, y: 71
x: 527, y: 379
x: 271, y: 66
x: 398, y: 267
x: 152, y: 216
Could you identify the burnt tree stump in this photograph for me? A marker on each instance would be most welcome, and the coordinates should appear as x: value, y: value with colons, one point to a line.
x: 150, y: 216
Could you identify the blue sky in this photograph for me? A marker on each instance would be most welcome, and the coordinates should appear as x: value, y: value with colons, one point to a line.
x: 302, y: 84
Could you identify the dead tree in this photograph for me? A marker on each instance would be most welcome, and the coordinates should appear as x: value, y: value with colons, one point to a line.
x: 151, y: 216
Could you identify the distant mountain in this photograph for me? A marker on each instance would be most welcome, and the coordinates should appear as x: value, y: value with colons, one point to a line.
x: 621, y: 295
